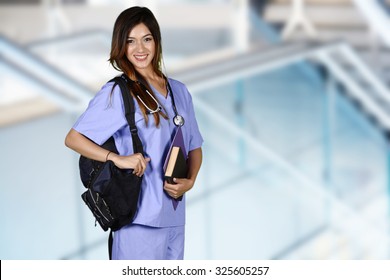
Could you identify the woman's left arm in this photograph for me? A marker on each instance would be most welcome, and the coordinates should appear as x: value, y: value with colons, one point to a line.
x: 184, y: 185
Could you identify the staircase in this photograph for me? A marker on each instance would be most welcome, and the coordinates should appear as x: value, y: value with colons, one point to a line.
x: 334, y: 20
x: 341, y: 20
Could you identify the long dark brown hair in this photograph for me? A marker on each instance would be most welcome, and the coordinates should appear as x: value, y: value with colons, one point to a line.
x: 125, y: 22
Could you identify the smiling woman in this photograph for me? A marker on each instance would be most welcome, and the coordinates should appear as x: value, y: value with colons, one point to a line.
x: 140, y: 48
x: 157, y: 231
x: 136, y: 50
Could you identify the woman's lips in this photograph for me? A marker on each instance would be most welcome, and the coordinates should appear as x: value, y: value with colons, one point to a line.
x: 140, y: 57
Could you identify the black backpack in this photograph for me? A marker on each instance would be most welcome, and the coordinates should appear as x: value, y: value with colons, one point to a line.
x: 112, y: 193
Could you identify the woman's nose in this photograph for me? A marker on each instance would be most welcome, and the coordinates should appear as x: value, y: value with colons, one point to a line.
x: 140, y: 47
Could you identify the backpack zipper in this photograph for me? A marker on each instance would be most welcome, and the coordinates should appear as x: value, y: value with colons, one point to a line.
x: 95, y: 201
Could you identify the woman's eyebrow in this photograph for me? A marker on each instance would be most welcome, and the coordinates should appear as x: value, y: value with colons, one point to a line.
x: 129, y: 37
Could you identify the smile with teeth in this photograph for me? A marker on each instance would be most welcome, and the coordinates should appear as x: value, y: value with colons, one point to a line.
x: 140, y: 57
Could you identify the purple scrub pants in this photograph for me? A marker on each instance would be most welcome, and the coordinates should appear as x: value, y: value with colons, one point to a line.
x: 138, y: 242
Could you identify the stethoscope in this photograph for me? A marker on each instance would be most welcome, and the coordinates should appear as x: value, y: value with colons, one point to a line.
x: 178, y: 120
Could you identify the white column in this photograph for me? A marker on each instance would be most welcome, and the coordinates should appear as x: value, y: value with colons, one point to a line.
x: 241, y: 25
x: 56, y: 18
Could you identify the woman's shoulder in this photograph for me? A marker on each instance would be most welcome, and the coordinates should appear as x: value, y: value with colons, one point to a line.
x: 107, y: 86
x: 179, y: 88
x: 107, y: 95
x: 108, y: 89
x: 176, y: 84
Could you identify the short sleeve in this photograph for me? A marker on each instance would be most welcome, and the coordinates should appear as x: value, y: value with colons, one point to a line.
x: 104, y: 115
x: 196, y: 139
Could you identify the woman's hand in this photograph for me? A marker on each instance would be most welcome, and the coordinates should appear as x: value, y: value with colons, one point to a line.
x: 137, y: 162
x: 180, y: 187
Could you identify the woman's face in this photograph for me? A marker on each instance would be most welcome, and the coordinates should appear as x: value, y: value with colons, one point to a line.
x: 141, y: 48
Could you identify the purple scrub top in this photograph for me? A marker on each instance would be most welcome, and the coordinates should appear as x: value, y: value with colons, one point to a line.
x: 105, y: 117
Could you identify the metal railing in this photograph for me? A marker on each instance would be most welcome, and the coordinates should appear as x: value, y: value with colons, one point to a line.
x: 54, y: 84
x: 376, y: 16
x: 367, y: 89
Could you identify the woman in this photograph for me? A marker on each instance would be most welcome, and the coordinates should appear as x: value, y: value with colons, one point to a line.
x: 157, y: 231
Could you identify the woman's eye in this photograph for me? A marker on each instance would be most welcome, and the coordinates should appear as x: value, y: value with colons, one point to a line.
x: 148, y: 39
x: 129, y: 41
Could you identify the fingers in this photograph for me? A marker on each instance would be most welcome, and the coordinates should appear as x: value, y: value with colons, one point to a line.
x: 177, y: 189
x: 173, y: 193
x: 140, y: 164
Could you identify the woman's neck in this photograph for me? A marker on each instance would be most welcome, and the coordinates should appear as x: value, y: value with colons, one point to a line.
x: 158, y: 83
x: 147, y: 73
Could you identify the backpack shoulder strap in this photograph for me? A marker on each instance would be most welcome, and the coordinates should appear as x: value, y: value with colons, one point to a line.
x: 110, y: 242
x: 125, y: 85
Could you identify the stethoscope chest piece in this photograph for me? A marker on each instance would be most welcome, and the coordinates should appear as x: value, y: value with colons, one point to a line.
x: 178, y: 120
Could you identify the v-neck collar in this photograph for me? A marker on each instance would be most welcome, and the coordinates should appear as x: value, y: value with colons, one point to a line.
x: 165, y: 98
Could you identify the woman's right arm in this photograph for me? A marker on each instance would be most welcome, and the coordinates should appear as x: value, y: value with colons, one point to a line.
x: 82, y: 145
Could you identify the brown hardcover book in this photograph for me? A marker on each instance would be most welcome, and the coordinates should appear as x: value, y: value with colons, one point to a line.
x: 177, y: 165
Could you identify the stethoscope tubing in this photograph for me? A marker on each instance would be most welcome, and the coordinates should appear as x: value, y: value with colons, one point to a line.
x: 178, y: 120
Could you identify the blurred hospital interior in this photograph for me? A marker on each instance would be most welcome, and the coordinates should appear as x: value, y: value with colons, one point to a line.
x: 291, y: 96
